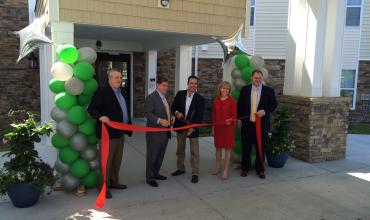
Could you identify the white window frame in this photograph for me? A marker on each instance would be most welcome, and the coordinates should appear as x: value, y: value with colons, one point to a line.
x: 354, y: 6
x: 354, y: 89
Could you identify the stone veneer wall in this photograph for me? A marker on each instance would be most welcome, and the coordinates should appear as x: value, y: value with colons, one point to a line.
x: 361, y: 113
x: 139, y: 63
x: 166, y: 67
x: 19, y: 85
x: 320, y: 127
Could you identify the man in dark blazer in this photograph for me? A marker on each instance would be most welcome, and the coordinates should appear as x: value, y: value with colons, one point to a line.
x: 158, y: 115
x: 188, y: 107
x: 109, y: 104
x: 255, y: 100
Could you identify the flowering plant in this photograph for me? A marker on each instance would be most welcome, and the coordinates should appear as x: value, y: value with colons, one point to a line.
x: 279, y: 140
x: 25, y: 165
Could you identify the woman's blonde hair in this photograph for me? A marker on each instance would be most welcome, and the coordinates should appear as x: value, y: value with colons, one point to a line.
x: 223, y: 84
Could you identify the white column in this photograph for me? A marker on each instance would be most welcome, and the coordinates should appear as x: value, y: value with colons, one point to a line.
x: 61, y: 32
x: 183, y: 66
x: 315, y: 30
x: 150, y: 71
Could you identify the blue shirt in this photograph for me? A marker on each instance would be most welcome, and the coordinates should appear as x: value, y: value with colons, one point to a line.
x: 122, y: 103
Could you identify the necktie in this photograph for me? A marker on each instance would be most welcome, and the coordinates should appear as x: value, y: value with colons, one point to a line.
x: 167, y: 107
x: 254, y: 105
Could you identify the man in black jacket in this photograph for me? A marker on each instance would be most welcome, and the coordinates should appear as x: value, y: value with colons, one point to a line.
x: 109, y: 104
x: 188, y: 107
x: 255, y: 100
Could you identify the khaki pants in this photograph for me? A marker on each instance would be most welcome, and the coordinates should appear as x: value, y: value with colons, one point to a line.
x: 114, y: 161
x: 194, y: 152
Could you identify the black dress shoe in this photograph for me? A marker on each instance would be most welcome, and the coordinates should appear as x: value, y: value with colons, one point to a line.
x: 108, y: 195
x: 118, y: 186
x: 194, y: 179
x: 160, y: 177
x: 261, y: 175
x: 177, y: 172
x: 152, y: 183
x: 244, y: 173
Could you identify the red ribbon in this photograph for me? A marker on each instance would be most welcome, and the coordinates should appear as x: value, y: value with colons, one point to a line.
x: 122, y: 126
x: 259, y: 138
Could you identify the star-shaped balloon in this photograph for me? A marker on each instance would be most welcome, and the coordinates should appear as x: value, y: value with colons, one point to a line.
x: 233, y: 44
x: 32, y: 36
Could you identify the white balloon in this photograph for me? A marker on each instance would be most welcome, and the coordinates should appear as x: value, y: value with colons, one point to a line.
x: 74, y: 86
x: 239, y: 83
x: 87, y: 54
x: 257, y: 62
x: 78, y: 142
x: 236, y: 73
x: 58, y: 114
x: 265, y: 73
x: 61, y: 71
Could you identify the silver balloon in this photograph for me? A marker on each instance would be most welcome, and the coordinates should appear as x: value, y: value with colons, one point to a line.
x: 74, y: 86
x: 70, y: 182
x: 32, y: 36
x: 57, y: 114
x: 265, y: 73
x: 236, y: 73
x: 257, y: 62
x: 94, y: 164
x: 78, y: 142
x: 87, y: 54
x: 233, y: 44
x: 61, y: 167
x: 89, y: 154
x: 61, y: 71
x: 239, y: 83
x: 66, y: 129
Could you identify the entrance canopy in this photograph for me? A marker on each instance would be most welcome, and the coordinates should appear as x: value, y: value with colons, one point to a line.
x: 145, y: 39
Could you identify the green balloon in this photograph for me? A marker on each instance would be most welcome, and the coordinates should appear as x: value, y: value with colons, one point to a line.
x: 235, y: 94
x: 83, y: 70
x: 67, y: 155
x: 247, y: 74
x: 91, y: 179
x: 91, y: 86
x: 92, y: 139
x: 56, y: 86
x: 65, y: 101
x: 80, y: 168
x: 241, y: 61
x: 83, y: 99
x: 87, y: 127
x: 76, y: 115
x: 67, y: 53
x: 59, y: 142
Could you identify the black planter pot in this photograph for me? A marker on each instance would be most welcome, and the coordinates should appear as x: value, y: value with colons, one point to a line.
x: 23, y: 195
x: 277, y: 161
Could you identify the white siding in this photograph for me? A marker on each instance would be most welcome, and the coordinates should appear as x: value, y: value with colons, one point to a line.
x: 365, y: 34
x: 351, y: 40
x: 271, y: 28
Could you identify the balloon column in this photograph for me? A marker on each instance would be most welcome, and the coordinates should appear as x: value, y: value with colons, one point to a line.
x: 75, y: 139
x: 243, y: 66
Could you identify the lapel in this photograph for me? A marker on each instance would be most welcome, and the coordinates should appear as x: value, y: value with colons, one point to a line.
x: 191, y: 107
x: 249, y: 88
x: 263, y: 93
x: 160, y: 100
x: 115, y: 100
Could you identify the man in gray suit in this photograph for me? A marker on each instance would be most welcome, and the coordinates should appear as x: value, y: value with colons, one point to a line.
x: 157, y: 113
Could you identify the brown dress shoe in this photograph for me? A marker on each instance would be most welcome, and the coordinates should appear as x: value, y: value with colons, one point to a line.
x: 118, y: 186
x: 243, y: 173
x: 108, y: 195
x: 261, y: 175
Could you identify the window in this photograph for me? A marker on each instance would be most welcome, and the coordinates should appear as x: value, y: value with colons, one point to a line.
x: 348, y: 86
x: 253, y: 5
x: 353, y: 14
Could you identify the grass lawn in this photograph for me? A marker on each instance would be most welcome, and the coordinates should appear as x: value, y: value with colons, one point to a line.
x: 359, y: 129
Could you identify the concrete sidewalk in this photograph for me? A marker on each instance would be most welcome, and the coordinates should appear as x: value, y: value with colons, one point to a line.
x: 298, y: 191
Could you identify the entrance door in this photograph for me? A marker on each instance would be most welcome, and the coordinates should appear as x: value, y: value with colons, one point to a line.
x: 106, y: 61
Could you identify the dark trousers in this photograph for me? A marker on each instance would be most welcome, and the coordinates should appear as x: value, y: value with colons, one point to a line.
x: 155, y: 151
x: 114, y: 161
x: 249, y: 139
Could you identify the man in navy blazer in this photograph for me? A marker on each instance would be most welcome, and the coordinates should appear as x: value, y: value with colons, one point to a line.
x: 265, y: 103
x: 188, y: 108
x: 109, y: 104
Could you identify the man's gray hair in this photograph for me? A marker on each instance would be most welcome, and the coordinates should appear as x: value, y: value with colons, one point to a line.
x: 111, y: 70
